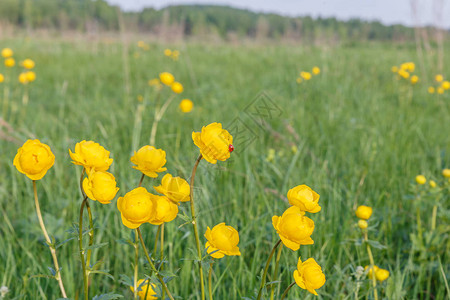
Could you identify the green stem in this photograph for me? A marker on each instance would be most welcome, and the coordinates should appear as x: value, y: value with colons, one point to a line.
x: 275, y: 272
x: 263, y: 279
x: 161, y: 266
x: 372, y: 266
x: 80, y: 246
x: 210, y: 281
x: 159, y: 113
x: 155, y: 247
x: 136, y: 262
x: 91, y: 236
x: 287, y: 290
x: 433, y: 218
x: 141, y: 180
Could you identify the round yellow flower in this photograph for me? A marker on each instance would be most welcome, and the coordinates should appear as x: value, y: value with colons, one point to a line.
x: 167, y: 52
x: 305, y: 75
x: 363, y: 224
x: 175, y: 188
x: 28, y: 64
x: 222, y: 240
x: 309, y: 275
x: 2, y: 78
x: 177, y: 87
x: 7, y: 52
x: 420, y: 179
x: 394, y: 69
x: 166, y: 78
x: 380, y: 274
x: 143, y: 288
x: 136, y: 207
x: 316, y: 70
x: 23, y: 78
x: 91, y: 156
x: 446, y: 173
x: 34, y: 159
x: 439, y: 78
x: 186, y: 105
x: 304, y: 198
x: 440, y: 90
x: 175, y: 54
x: 414, y: 79
x: 165, y: 210
x: 149, y: 161
x: 363, y: 212
x: 433, y: 184
x: 431, y: 90
x: 31, y: 76
x: 410, y: 66
x: 100, y: 186
x: 10, y: 62
x: 446, y: 85
x: 299, y: 80
x: 214, y: 142
x: 403, y: 74
x: 294, y: 228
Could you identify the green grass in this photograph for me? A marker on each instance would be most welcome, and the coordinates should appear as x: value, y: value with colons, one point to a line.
x: 362, y: 137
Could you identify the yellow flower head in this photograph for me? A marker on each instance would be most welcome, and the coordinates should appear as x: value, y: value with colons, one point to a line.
x: 305, y: 75
x: 91, y: 155
x: 431, y: 90
x: 10, y: 62
x: 177, y: 87
x: 446, y: 85
x: 304, y: 198
x: 363, y: 224
x: 433, y: 184
x: 31, y: 76
x: 222, y: 240
x: 156, y: 83
x: 23, y: 78
x: 140, y: 98
x: 299, y: 80
x: 440, y: 90
x: 175, y: 188
x: 294, y: 228
x: 100, y: 186
x: 414, y: 79
x: 175, y: 54
x: 186, y: 105
x: 143, y: 288
x: 410, y: 66
x: 438, y: 77
x: 420, y: 179
x: 316, y: 70
x: 166, y: 78
x: 28, y: 64
x: 394, y: 69
x: 149, y: 161
x: 403, y: 74
x: 309, y: 275
x: 167, y: 52
x: 214, y: 142
x: 34, y: 159
x: 141, y: 44
x: 363, y: 212
x: 7, y: 52
x: 136, y: 207
x: 2, y: 78
x: 165, y: 210
x: 380, y: 274
x: 446, y: 173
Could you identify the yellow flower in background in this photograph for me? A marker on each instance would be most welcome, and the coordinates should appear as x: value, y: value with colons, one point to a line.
x: 10, y: 62
x: 305, y: 75
x: 28, y: 64
x: 222, y: 240
x: 431, y: 90
x: 175, y: 54
x: 141, y: 44
x: 149, y: 161
x: 446, y: 173
x: 177, y: 87
x: 156, y: 83
x: 316, y: 70
x: 175, y: 188
x: 271, y: 155
x: 299, y: 80
x: 214, y: 142
x: 186, y: 105
x: 166, y: 78
x: 420, y: 179
x: 304, y: 198
x: 363, y: 212
x: 380, y: 274
x: 440, y: 90
x: 2, y: 78
x: 446, y: 85
x: 410, y: 66
x: 294, y: 228
x: 309, y: 275
x: 394, y: 69
x: 7, y: 52
x: 167, y: 52
x: 414, y: 79
x: 136, y: 207
x: 145, y: 288
x: 91, y: 155
x: 363, y: 224
x: 165, y: 210
x: 433, y: 184
x: 31, y: 76
x: 23, y: 78
x: 438, y: 77
x: 34, y: 159
x: 100, y: 186
x: 403, y: 74
x: 140, y: 98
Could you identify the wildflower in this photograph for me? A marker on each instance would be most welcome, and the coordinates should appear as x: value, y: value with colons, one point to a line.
x: 362, y: 224
x: 166, y: 78
x: 23, y: 78
x: 294, y: 228
x: 214, y: 142
x: 403, y: 74
x: 438, y: 77
x: 380, y: 274
x: 91, y: 155
x: 165, y: 210
x: 10, y: 62
x: 136, y: 207
x: 299, y: 80
x: 186, y: 105
x: 156, y: 83
x: 446, y: 85
x: 410, y: 66
x: 28, y: 64
x: 433, y: 184
x: 145, y: 288
x: 31, y: 76
x: 305, y: 75
x: 363, y: 212
x: 177, y: 87
x: 100, y: 186
x: 440, y: 90
x: 3, y: 291
x: 446, y: 173
x: 420, y: 179
x: 2, y: 78
x: 431, y: 90
x: 140, y: 98
x: 316, y: 70
x: 149, y: 160
x: 7, y: 52
x: 309, y: 275
x: 414, y: 79
x: 304, y: 198
x: 175, y: 188
x: 167, y: 52
x: 271, y: 155
x: 222, y: 240
x: 141, y: 44
x: 34, y: 159
x: 294, y: 149
x: 394, y: 69
x: 175, y: 54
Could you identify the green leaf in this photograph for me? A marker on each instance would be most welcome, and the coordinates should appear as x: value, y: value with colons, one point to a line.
x: 103, y: 272
x: 95, y: 246
x: 109, y: 296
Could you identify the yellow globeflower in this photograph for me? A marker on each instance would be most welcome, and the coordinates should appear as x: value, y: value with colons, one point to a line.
x: 136, y: 207
x: 305, y: 75
x: 7, y: 52
x: 431, y: 90
x: 214, y: 142
x: 28, y: 64
x: 23, y: 78
x: 433, y: 183
x: 446, y: 173
x: 165, y: 210
x: 394, y: 69
x: 100, y: 186
x: 10, y: 62
x: 149, y: 161
x: 31, y: 76
x: 363, y: 212
x: 175, y: 188
x: 2, y: 78
x: 414, y: 79
x: 304, y: 198
x: 222, y: 240
x: 166, y: 78
x: 438, y: 77
x: 420, y: 179
x: 446, y: 85
x: 34, y: 159
x: 299, y: 80
x: 380, y: 274
x: 175, y: 54
x: 294, y: 228
x: 167, y: 52
x: 177, y: 87
x: 186, y: 105
x: 91, y: 155
x: 411, y: 66
x: 316, y: 70
x: 145, y: 288
x: 309, y: 275
x: 363, y: 224
x: 440, y: 90
x: 403, y: 74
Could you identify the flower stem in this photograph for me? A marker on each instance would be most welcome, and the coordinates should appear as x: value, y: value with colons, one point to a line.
x: 194, y: 223
x: 287, y: 290
x: 159, y: 113
x: 91, y: 236
x: 372, y: 266
x: 263, y: 279
x: 141, y: 180
x: 136, y: 262
x: 80, y: 245
x: 210, y: 281
x: 155, y: 247
x: 433, y: 217
x: 161, y: 266
x: 152, y: 266
x: 275, y: 272
x: 49, y: 242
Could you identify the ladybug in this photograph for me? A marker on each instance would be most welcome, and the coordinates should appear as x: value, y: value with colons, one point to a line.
x: 230, y: 148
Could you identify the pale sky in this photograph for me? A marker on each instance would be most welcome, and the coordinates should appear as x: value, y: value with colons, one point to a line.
x: 434, y: 12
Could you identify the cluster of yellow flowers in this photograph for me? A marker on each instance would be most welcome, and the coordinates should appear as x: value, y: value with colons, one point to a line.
x: 173, y: 54
x: 421, y: 179
x: 307, y: 75
x: 143, y: 45
x: 404, y: 71
x: 167, y: 79
x: 442, y: 85
x: 27, y: 75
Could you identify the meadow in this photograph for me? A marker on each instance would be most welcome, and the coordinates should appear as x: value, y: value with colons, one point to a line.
x: 354, y: 133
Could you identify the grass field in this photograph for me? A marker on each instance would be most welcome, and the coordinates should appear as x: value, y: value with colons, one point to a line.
x: 362, y: 137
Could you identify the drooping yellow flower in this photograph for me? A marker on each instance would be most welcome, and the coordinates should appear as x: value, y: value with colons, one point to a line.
x: 28, y: 64
x: 23, y: 78
x: 34, y: 159
x: 31, y: 76
x: 2, y: 78
x: 446, y: 85
x: 167, y: 52
x: 304, y: 198
x: 177, y: 87
x: 420, y: 179
x: 186, y: 105
x: 7, y: 52
x: 363, y: 224
x: 431, y: 90
x: 380, y: 274
x: 149, y: 161
x: 433, y: 184
x: 438, y: 77
x: 294, y: 228
x: 165, y: 210
x: 100, y: 186
x: 214, y: 142
x: 10, y: 62
x: 446, y: 173
x: 305, y: 75
x: 363, y: 212
x: 175, y: 188
x: 309, y: 275
x: 316, y: 70
x: 222, y: 240
x: 166, y: 78
x: 136, y: 207
x: 414, y: 79
x: 394, y: 69
x: 143, y: 288
x: 91, y: 155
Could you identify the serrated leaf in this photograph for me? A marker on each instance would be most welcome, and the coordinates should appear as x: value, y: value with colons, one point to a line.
x: 102, y: 272
x: 376, y: 244
x: 95, y: 246
x: 126, y: 280
x: 63, y: 242
x: 109, y: 296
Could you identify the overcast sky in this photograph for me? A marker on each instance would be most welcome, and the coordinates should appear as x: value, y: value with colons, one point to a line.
x: 436, y: 12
